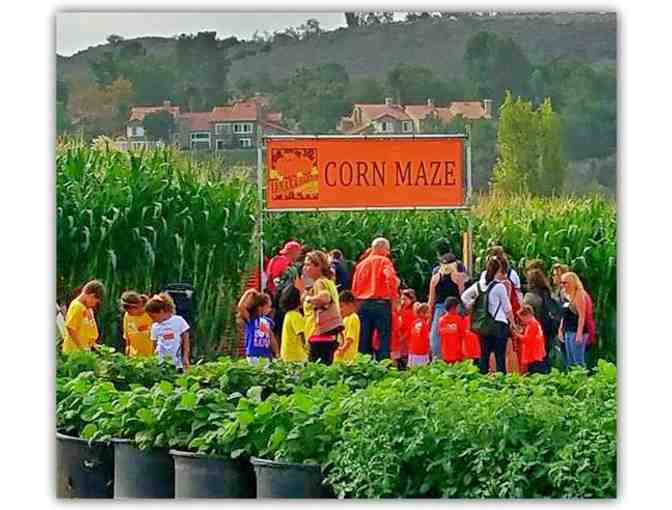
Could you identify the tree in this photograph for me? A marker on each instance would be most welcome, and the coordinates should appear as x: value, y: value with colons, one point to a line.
x: 63, y: 123
x: 314, y: 98
x: 530, y: 154
x: 246, y: 86
x: 495, y: 64
x: 132, y: 49
x: 104, y: 69
x: 114, y: 40
x: 153, y: 79
x: 553, y: 168
x: 100, y: 110
x: 414, y: 84
x: 352, y: 19
x: 365, y: 90
x: 159, y: 125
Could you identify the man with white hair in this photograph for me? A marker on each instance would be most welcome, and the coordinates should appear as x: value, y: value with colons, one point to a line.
x: 376, y: 286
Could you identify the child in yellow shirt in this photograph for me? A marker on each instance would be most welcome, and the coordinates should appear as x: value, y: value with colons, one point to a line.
x: 81, y: 330
x: 349, y: 345
x: 137, y: 325
x: 293, y: 345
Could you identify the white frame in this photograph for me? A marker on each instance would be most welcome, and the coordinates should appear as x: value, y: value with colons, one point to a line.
x: 405, y: 123
x: 217, y: 142
x: 223, y: 128
x: 192, y: 140
x: 248, y: 140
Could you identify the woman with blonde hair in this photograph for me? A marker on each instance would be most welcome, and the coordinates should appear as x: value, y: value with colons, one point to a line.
x: 573, y: 327
x: 447, y: 282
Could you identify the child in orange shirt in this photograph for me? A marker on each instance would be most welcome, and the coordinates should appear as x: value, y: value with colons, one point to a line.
x: 471, y: 347
x: 532, y: 343
x: 407, y: 317
x: 418, y: 348
x: 451, y: 332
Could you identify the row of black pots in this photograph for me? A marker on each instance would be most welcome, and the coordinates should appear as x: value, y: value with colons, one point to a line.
x: 120, y: 470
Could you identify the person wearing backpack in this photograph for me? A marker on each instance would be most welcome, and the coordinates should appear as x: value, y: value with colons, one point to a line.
x: 491, y: 314
x: 547, y: 310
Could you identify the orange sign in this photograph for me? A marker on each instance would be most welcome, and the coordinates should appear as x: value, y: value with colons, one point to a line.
x: 347, y: 173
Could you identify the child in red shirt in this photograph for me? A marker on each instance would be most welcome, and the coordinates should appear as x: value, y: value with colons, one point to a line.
x: 532, y: 343
x: 418, y: 348
x: 471, y: 347
x: 406, y: 319
x: 451, y: 332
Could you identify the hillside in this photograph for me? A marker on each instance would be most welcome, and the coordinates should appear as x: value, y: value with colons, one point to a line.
x: 437, y: 43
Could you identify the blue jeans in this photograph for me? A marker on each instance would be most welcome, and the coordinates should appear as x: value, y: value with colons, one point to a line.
x: 375, y: 314
x: 496, y: 344
x: 434, y: 337
x: 575, y: 353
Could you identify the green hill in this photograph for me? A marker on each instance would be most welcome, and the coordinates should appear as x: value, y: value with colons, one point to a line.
x: 438, y: 43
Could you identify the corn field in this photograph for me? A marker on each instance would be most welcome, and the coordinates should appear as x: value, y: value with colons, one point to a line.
x: 141, y: 220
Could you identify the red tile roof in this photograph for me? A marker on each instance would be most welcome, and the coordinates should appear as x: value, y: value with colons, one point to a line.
x: 242, y: 111
x: 273, y: 125
x: 469, y: 109
x: 419, y: 111
x: 139, y: 112
x: 375, y: 111
x: 196, y: 121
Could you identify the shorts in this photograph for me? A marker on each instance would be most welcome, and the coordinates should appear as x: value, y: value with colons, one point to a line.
x: 417, y: 360
x: 255, y: 360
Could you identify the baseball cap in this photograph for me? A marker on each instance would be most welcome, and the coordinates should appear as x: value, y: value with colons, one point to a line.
x: 291, y: 245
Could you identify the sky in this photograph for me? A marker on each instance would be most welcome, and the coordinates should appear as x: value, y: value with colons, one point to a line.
x: 76, y: 31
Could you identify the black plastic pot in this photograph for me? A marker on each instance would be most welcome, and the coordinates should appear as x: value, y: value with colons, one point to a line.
x: 286, y: 480
x: 142, y: 474
x: 200, y: 476
x: 83, y: 470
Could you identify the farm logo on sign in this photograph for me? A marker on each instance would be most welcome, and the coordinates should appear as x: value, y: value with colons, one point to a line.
x: 293, y: 174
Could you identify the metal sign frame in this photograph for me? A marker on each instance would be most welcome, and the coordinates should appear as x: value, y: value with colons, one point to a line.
x: 260, y: 184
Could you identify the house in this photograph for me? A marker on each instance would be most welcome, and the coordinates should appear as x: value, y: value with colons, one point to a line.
x: 397, y: 119
x: 235, y: 126
x: 135, y: 130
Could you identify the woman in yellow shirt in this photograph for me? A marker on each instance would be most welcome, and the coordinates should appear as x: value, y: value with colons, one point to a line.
x: 293, y: 340
x: 81, y: 330
x: 137, y: 324
x: 316, y: 268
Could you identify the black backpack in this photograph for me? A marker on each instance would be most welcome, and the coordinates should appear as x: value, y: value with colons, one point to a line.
x: 481, y: 321
x: 184, y: 296
x: 551, y: 315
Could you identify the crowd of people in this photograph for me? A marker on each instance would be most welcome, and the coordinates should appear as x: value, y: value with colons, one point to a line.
x: 316, y: 306
x: 150, y: 326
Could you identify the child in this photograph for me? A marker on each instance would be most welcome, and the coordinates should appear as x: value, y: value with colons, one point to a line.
x: 260, y: 342
x: 471, y: 347
x: 451, y: 332
x: 170, y: 332
x: 532, y: 342
x: 418, y: 349
x: 395, y: 334
x: 137, y: 324
x: 349, y: 346
x: 81, y: 330
x: 406, y: 319
x: 292, y: 342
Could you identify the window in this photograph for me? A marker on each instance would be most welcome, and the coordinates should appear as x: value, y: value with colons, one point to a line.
x: 407, y: 126
x: 135, y: 131
x: 200, y: 138
x: 222, y: 129
x: 245, y: 143
x: 221, y: 145
x: 242, y: 127
x: 386, y: 127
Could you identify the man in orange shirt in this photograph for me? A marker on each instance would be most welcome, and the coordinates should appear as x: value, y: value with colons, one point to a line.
x: 376, y: 286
